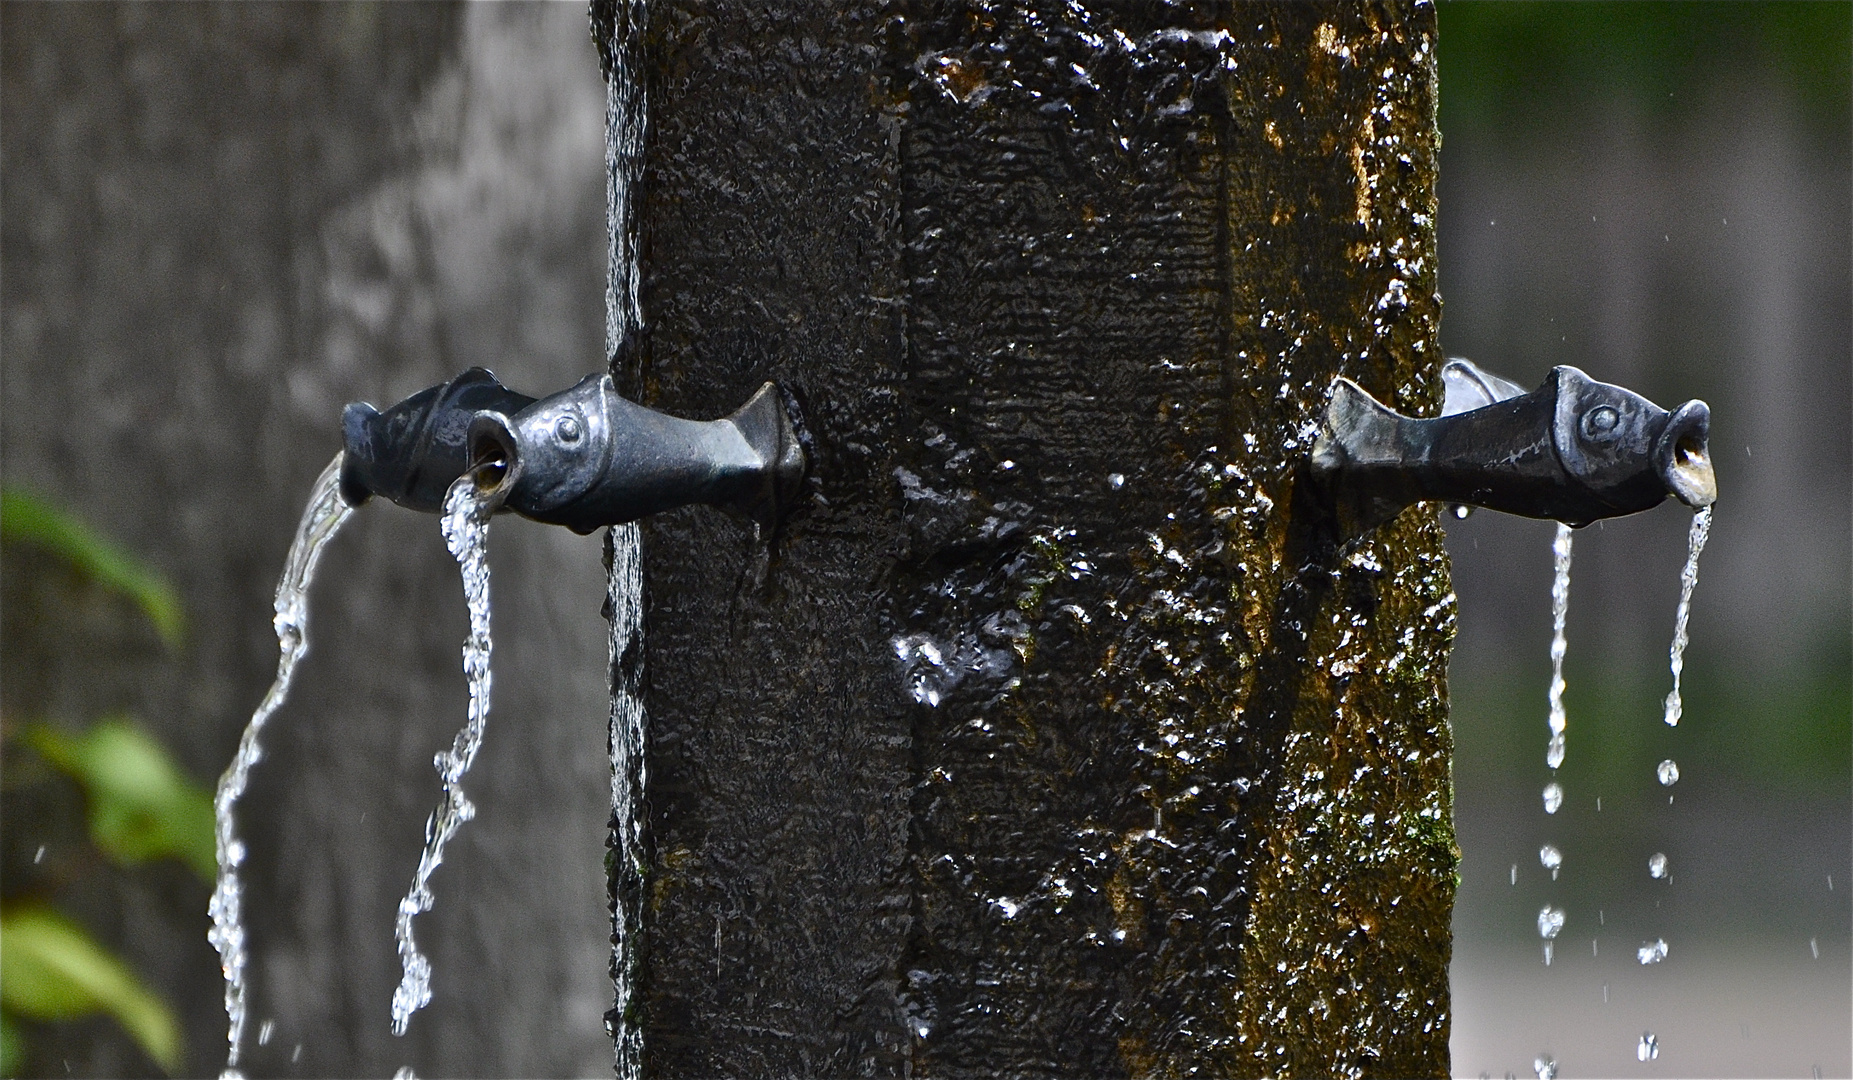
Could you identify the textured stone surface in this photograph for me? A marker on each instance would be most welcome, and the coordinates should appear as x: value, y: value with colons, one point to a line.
x: 1057, y: 734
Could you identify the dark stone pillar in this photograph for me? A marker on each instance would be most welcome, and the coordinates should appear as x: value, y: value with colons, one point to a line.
x: 1055, y: 734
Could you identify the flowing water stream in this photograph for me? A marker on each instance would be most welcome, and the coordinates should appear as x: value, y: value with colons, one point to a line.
x: 1688, y: 580
x: 1551, y: 918
x: 321, y: 520
x: 466, y: 533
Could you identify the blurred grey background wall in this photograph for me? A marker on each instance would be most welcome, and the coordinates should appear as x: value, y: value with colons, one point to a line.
x: 1658, y: 194
x: 220, y: 223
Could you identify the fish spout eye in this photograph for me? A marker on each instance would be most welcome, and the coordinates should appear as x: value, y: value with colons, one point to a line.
x: 1600, y: 422
x: 567, y: 429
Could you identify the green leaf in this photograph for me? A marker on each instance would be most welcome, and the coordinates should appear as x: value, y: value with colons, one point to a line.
x: 50, y: 969
x: 141, y: 805
x: 25, y: 517
x: 12, y: 1046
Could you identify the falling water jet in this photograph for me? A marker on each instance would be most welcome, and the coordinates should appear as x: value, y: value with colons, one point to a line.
x: 326, y: 512
x: 467, y: 510
x: 1560, y: 610
x: 1688, y: 580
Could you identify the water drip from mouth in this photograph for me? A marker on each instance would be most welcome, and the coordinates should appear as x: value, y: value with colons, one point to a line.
x: 1560, y: 610
x: 321, y: 520
x: 467, y: 511
x: 1688, y: 580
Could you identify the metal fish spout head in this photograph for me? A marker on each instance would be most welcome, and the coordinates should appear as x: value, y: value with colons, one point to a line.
x: 1574, y: 449
x: 1683, y: 455
x: 547, y: 455
x: 413, y: 451
x: 586, y: 458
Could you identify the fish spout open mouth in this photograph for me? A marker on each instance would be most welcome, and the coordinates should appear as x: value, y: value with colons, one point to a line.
x: 1683, y: 456
x: 495, y: 457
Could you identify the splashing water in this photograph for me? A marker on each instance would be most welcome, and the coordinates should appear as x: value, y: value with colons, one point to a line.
x: 466, y: 533
x: 321, y: 520
x: 1560, y: 610
x: 1688, y: 580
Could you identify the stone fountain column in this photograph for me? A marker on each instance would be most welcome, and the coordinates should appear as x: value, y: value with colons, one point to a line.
x: 1056, y: 734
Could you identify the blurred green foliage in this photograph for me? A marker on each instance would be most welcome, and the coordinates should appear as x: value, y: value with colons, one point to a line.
x: 27, y: 518
x: 1783, y: 731
x: 50, y: 969
x: 1498, y: 57
x: 141, y: 806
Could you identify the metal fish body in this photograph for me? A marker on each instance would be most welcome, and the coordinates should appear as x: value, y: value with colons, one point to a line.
x: 1574, y: 449
x: 586, y: 458
x: 412, y: 452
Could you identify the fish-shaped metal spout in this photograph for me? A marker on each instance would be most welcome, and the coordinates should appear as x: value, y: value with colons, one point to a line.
x: 415, y: 450
x: 586, y: 458
x: 1574, y: 449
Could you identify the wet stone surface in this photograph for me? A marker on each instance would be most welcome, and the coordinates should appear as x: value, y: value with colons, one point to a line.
x: 1058, y: 733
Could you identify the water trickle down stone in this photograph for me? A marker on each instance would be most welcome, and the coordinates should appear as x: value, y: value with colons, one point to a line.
x: 629, y: 781
x: 1551, y: 858
x: 1656, y: 865
x: 466, y: 533
x: 1649, y: 1047
x: 1560, y: 610
x: 1688, y: 580
x: 1553, y: 797
x: 321, y: 519
x: 626, y: 113
x: 1652, y: 952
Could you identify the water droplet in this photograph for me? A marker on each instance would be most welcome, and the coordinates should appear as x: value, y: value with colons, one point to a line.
x: 39, y: 857
x: 1545, y: 1066
x: 1553, y: 797
x: 1551, y: 858
x: 1814, y: 946
x: 1550, y: 922
x: 1460, y: 511
x: 405, y: 1073
x: 1116, y: 480
x: 1006, y: 465
x: 1649, y: 1048
x: 1652, y: 952
x: 1515, y: 873
x: 1656, y: 865
x: 264, y: 1031
x: 1668, y: 772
